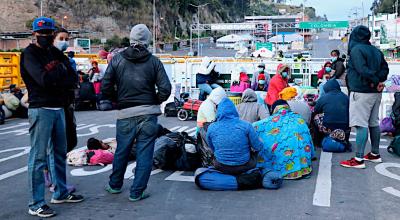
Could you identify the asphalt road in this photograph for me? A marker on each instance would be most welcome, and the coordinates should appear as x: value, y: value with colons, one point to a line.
x: 323, y: 46
x: 332, y: 192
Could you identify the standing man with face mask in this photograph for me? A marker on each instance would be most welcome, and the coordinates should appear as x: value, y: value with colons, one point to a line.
x: 48, y: 77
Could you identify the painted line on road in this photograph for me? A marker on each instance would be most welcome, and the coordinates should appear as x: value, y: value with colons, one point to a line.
x: 182, y: 129
x: 392, y: 191
x: 190, y: 130
x: 174, y: 128
x: 177, y: 176
x: 15, y: 126
x: 322, y: 194
x: 85, y: 126
x: 13, y: 173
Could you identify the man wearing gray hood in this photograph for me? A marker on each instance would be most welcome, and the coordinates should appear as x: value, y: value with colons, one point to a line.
x: 249, y: 110
x: 131, y: 80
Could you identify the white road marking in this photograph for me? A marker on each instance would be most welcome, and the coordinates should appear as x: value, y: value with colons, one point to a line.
x: 174, y: 128
x: 82, y: 172
x: 15, y: 126
x: 84, y: 126
x: 383, y: 146
x: 25, y: 150
x: 192, y: 129
x: 177, y: 176
x: 392, y: 191
x: 322, y: 194
x: 13, y: 173
x: 182, y: 129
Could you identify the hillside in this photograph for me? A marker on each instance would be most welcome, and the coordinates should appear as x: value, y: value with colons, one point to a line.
x: 106, y: 18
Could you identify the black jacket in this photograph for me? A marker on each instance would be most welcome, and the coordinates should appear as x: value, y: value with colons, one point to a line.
x: 48, y: 76
x: 367, y: 66
x: 339, y: 68
x: 335, y: 106
x: 136, y: 73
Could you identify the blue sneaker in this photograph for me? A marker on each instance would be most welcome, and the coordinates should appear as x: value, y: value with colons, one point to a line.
x: 141, y: 197
x: 111, y: 190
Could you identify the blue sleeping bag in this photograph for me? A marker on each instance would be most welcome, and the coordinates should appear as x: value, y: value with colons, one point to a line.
x: 212, y: 179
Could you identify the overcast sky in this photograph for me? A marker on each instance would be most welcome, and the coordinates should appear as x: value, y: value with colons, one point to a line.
x: 337, y: 9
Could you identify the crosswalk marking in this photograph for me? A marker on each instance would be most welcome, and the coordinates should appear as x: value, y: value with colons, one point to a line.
x: 174, y: 128
x: 182, y: 129
x: 322, y: 194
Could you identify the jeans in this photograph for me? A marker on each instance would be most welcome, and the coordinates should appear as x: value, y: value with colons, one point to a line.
x: 144, y: 130
x: 48, y: 141
x: 206, y: 88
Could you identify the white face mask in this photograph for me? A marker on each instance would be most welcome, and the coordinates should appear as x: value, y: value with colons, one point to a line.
x: 62, y: 45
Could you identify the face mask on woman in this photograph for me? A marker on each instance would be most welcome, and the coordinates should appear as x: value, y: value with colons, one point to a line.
x: 62, y: 45
x: 260, y: 70
x: 285, y: 74
x: 328, y: 69
x: 333, y: 59
x: 261, y: 82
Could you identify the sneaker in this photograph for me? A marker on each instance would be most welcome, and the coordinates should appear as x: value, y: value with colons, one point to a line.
x: 141, y: 197
x: 111, y: 190
x: 70, y: 188
x: 372, y: 158
x: 71, y: 198
x: 43, y: 212
x: 353, y: 163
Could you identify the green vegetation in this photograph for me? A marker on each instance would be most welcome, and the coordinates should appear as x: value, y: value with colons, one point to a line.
x: 384, y: 6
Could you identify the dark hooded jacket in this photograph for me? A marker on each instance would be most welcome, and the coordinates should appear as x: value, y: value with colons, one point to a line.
x: 340, y: 69
x: 335, y: 106
x: 230, y: 138
x: 367, y: 66
x: 48, y: 76
x: 249, y: 110
x: 136, y: 73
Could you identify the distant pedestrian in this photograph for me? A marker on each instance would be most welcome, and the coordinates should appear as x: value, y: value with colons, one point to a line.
x: 206, y: 78
x: 367, y: 70
x: 48, y: 76
x: 255, y: 80
x: 137, y: 81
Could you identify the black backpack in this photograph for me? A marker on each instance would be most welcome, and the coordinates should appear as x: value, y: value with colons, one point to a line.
x: 2, y: 115
x: 394, y: 147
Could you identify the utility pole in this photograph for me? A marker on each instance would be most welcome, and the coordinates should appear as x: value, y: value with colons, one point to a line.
x: 154, y: 27
x: 41, y: 8
x: 198, y: 24
x: 304, y: 2
x: 397, y: 8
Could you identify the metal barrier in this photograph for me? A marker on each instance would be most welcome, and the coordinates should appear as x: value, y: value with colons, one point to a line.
x: 10, y: 70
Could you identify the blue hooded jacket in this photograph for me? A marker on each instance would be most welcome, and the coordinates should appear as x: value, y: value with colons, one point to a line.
x: 367, y: 66
x: 335, y: 106
x: 230, y: 138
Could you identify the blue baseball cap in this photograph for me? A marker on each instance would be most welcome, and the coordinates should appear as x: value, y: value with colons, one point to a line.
x: 43, y: 23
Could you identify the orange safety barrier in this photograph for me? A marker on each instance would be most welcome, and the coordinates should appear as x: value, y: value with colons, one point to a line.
x: 10, y: 70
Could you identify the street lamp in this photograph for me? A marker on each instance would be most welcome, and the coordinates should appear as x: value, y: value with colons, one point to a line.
x: 62, y: 21
x: 198, y: 26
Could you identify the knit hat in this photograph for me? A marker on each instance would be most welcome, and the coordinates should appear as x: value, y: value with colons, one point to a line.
x: 278, y: 103
x: 140, y: 34
x: 261, y: 77
x: 288, y: 93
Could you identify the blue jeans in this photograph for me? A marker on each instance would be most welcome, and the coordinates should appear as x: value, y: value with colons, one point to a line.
x: 48, y: 141
x: 144, y: 130
x: 206, y: 88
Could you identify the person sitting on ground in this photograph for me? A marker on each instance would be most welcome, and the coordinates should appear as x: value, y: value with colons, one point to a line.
x: 95, y: 144
x: 21, y: 111
x: 256, y: 78
x: 233, y: 141
x: 208, y: 109
x: 206, y: 78
x: 277, y: 84
x: 395, y: 114
x: 326, y: 68
x: 87, y: 95
x: 288, y: 147
x: 249, y: 110
x: 300, y: 107
x: 332, y: 113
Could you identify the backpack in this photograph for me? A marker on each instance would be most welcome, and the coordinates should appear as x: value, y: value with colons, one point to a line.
x: 99, y: 157
x: 331, y: 145
x: 170, y: 110
x: 171, y: 154
x: 10, y: 101
x: 105, y: 105
x: 386, y: 125
x: 394, y: 147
